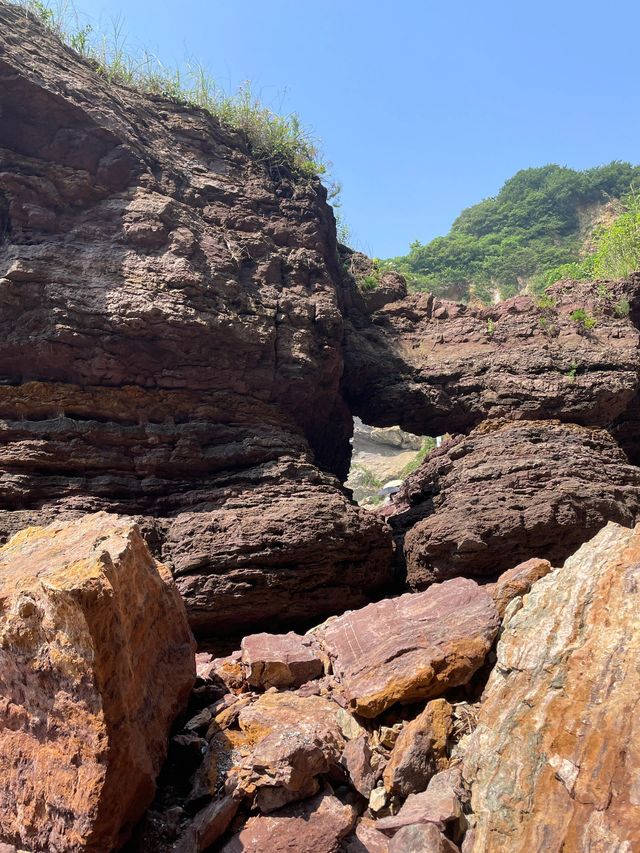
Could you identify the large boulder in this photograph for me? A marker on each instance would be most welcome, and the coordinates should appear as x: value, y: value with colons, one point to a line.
x: 555, y: 760
x: 96, y: 661
x: 171, y: 342
x: 412, y: 647
x: 508, y: 492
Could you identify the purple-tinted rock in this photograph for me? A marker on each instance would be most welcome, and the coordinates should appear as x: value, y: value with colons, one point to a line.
x: 412, y: 647
x: 280, y: 660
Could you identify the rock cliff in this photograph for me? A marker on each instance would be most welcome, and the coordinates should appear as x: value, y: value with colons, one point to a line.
x: 171, y: 342
x: 182, y: 348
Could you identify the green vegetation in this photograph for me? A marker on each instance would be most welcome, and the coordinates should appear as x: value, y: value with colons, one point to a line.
x: 583, y: 319
x: 428, y: 444
x: 527, y: 235
x: 280, y: 141
x: 622, y: 308
x: 617, y: 251
x: 573, y: 371
x: 367, y: 478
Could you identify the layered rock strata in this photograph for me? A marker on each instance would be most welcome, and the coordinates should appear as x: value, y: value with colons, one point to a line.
x: 171, y: 342
x: 434, y: 366
x: 510, y: 491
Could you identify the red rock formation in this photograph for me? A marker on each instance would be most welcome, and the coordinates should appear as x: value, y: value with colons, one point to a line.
x: 420, y: 751
x: 434, y: 366
x: 171, y: 343
x: 315, y: 826
x: 508, y: 492
x: 96, y: 660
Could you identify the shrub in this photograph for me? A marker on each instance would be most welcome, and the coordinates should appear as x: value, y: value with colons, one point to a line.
x: 546, y: 302
x: 583, y: 319
x: 622, y: 308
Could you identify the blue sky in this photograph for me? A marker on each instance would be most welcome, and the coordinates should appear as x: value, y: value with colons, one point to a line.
x: 423, y: 107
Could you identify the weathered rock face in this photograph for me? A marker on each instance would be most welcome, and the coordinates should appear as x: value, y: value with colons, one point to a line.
x: 554, y: 761
x: 434, y: 366
x: 508, y: 492
x: 411, y: 647
x: 171, y: 341
x: 96, y: 660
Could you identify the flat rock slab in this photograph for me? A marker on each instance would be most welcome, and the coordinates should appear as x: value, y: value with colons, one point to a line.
x: 554, y: 763
x: 412, y: 647
x: 316, y: 826
x: 96, y: 660
x: 280, y: 660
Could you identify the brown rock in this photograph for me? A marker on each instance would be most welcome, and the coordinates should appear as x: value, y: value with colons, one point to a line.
x: 421, y: 838
x: 296, y: 740
x: 508, y: 492
x: 554, y: 761
x: 420, y: 751
x: 208, y: 825
x: 362, y: 765
x: 431, y: 366
x: 411, y: 647
x: 171, y: 342
x: 518, y: 581
x: 315, y: 826
x: 96, y: 660
x: 439, y: 804
x: 280, y: 660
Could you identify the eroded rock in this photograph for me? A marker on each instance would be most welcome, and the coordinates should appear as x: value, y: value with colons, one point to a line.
x: 508, y: 492
x: 555, y: 759
x: 171, y: 344
x: 96, y: 660
x: 420, y: 751
x: 280, y: 660
x: 317, y: 825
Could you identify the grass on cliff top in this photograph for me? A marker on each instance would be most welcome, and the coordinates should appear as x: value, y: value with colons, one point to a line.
x: 277, y: 140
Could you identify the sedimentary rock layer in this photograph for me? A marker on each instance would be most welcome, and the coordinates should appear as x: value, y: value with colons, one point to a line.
x: 553, y: 764
x: 508, y: 492
x: 96, y: 660
x: 171, y: 331
x: 435, y: 366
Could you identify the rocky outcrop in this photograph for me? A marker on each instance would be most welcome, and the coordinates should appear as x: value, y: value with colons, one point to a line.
x: 554, y: 761
x: 171, y: 342
x: 434, y: 366
x: 508, y: 492
x: 96, y: 661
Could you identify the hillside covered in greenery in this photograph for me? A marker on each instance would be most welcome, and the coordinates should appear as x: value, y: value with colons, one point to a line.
x: 529, y: 234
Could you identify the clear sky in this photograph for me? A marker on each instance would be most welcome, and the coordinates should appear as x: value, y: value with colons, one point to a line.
x: 423, y: 107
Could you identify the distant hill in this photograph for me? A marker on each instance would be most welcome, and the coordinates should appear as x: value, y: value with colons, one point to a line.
x: 541, y: 219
